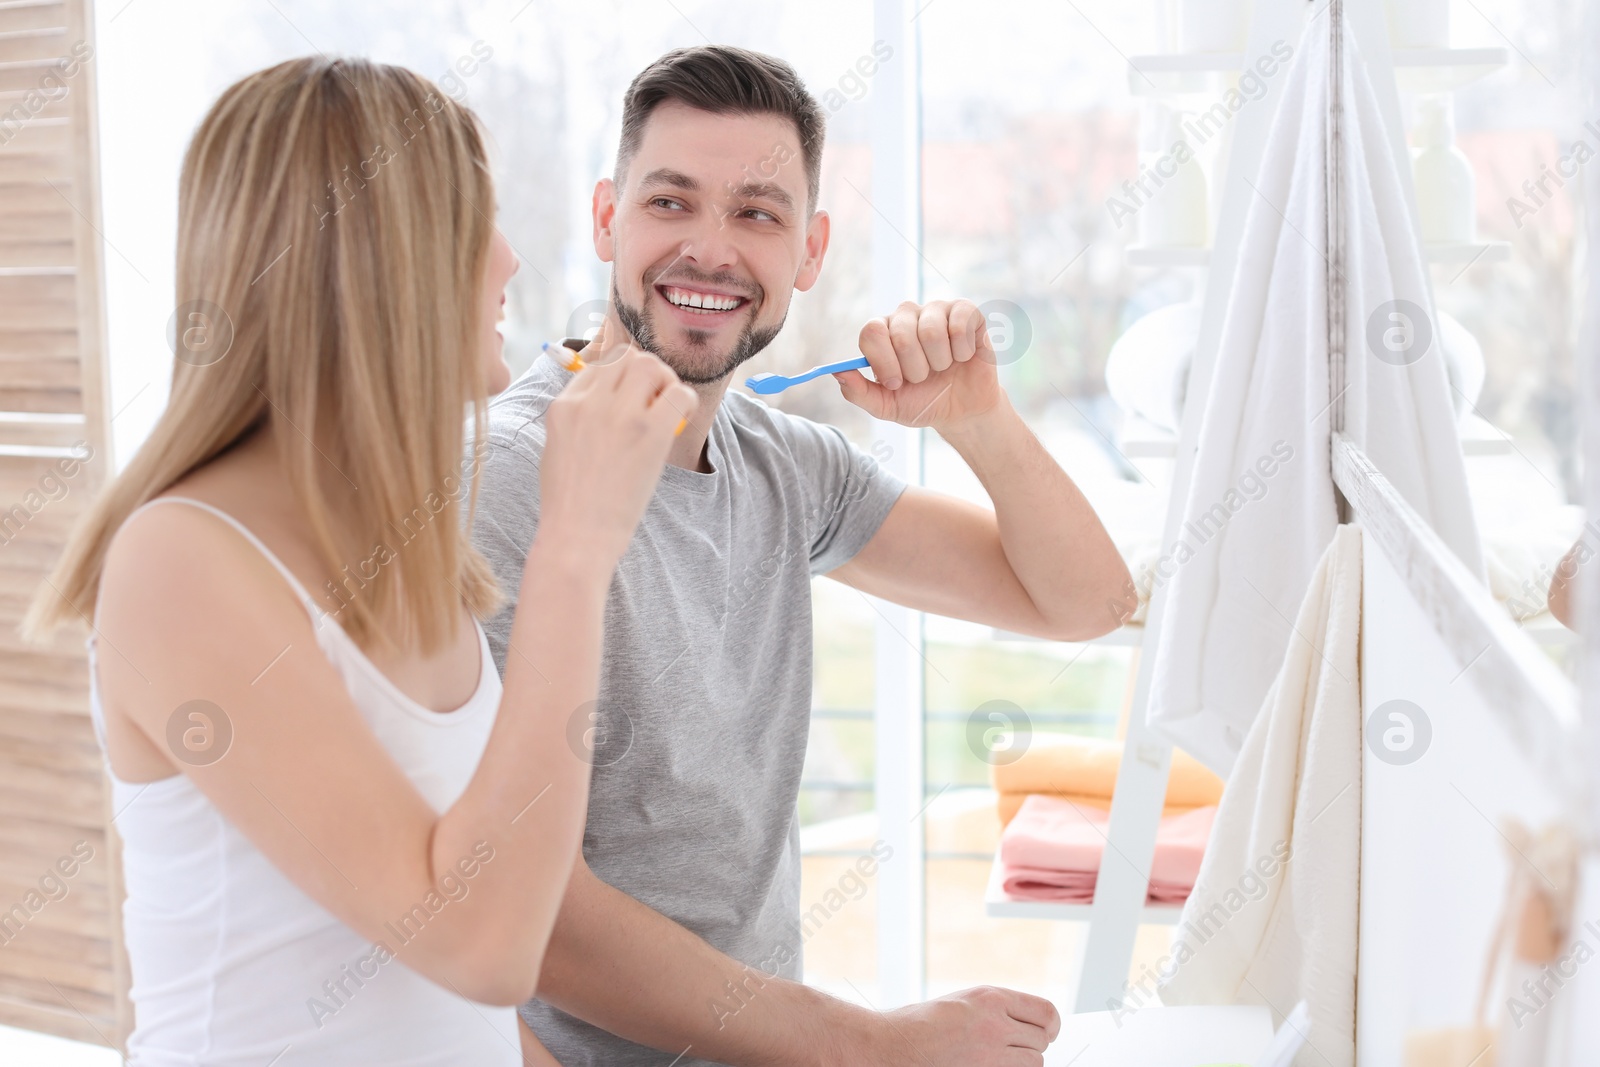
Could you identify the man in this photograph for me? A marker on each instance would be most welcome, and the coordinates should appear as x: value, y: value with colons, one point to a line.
x: 680, y: 932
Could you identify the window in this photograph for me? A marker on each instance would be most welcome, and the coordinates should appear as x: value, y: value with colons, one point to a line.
x: 1025, y: 136
x: 1027, y: 127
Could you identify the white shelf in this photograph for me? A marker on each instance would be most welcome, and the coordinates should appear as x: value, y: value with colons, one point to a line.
x: 1547, y: 631
x: 1185, y: 62
x: 1445, y: 253
x: 1442, y: 70
x: 1144, y: 439
x: 1462, y: 253
x: 1479, y: 437
x: 1149, y: 449
x: 1178, y: 73
x: 1167, y: 256
x: 1417, y: 70
x: 996, y: 905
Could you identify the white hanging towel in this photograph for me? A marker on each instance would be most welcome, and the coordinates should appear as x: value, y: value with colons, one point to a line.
x: 1260, y: 507
x: 1272, y: 918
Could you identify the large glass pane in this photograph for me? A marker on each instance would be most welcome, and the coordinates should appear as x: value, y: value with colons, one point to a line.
x: 1017, y: 174
x: 1507, y: 282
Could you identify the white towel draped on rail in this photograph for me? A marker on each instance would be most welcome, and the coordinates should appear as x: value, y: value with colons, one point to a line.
x: 1260, y: 508
x: 1272, y: 918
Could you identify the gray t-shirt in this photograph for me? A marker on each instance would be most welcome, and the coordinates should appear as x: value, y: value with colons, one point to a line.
x: 705, y: 689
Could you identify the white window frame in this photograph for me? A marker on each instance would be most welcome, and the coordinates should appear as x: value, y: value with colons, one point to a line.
x: 896, y: 139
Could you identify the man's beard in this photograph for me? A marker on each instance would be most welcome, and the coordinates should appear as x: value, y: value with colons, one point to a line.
x: 750, y: 341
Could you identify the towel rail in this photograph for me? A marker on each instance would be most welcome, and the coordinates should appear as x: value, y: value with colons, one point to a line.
x: 1537, y: 705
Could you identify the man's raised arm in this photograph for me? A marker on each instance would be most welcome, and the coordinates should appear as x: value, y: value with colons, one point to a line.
x: 1040, y: 563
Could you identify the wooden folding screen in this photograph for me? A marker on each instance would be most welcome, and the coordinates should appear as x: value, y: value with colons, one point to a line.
x: 62, y: 968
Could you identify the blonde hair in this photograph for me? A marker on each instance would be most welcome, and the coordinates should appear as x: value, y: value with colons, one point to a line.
x: 335, y: 212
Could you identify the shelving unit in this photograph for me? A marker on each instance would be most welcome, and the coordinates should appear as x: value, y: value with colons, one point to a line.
x: 1119, y: 908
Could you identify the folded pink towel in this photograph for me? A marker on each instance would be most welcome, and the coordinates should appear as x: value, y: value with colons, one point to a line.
x: 1051, y: 851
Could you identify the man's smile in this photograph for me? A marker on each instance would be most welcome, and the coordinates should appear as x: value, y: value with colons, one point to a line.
x: 699, y: 306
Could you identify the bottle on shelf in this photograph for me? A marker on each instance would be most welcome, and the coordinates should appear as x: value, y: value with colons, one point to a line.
x: 1446, y: 186
x: 1173, y: 178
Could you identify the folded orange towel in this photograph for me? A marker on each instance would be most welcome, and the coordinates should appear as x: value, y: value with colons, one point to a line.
x: 1072, y: 767
x: 1052, y: 849
x: 1009, y: 803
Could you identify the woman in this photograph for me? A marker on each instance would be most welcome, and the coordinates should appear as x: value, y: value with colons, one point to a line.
x: 339, y: 830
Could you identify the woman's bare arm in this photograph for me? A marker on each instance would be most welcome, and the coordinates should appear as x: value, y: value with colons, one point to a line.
x: 190, y: 611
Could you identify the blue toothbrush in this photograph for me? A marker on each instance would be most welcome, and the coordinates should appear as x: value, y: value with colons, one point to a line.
x: 767, y: 384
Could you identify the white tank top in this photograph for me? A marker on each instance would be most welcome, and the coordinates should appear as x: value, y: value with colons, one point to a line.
x: 233, y: 965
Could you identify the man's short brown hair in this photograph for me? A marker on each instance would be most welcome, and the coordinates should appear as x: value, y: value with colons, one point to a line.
x: 724, y: 81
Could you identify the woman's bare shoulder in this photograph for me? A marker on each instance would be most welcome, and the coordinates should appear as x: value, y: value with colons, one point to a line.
x: 189, y: 605
x: 166, y: 545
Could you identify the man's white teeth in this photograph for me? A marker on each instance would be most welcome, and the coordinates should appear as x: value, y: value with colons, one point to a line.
x: 702, y: 301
